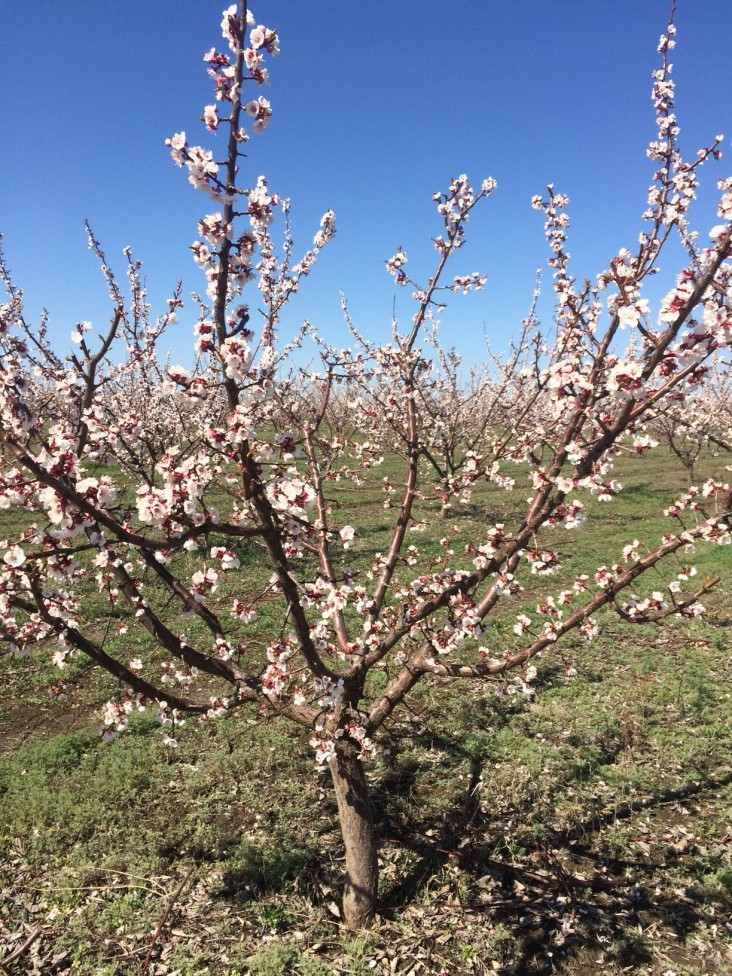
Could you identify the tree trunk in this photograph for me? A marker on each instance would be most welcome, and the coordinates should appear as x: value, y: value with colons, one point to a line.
x: 357, y: 828
x: 446, y: 500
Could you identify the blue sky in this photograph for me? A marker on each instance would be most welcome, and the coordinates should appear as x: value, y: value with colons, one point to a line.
x: 376, y: 106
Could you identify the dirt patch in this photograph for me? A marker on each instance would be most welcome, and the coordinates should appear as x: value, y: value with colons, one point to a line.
x: 21, y: 722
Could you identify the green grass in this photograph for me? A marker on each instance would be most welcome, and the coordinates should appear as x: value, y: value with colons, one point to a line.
x: 622, y: 773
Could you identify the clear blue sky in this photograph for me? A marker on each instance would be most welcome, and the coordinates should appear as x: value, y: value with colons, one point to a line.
x: 376, y: 105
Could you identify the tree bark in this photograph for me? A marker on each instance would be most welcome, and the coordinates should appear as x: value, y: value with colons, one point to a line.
x: 359, y: 839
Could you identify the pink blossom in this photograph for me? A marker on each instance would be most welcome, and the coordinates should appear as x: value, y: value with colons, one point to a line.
x: 347, y: 533
x: 394, y: 266
x: 522, y: 624
x: 177, y: 145
x: 14, y: 557
x: 631, y: 314
x: 262, y: 37
x: 261, y: 111
x: 211, y: 117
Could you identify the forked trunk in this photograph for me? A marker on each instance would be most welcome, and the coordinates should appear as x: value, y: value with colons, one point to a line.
x: 357, y: 828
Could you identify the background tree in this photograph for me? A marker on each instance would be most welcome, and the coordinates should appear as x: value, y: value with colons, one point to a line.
x: 698, y: 423
x: 469, y: 420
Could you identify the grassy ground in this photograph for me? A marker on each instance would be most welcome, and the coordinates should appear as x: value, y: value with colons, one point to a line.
x: 585, y: 831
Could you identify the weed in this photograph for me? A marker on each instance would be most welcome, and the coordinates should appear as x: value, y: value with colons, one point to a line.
x: 632, y: 948
x: 275, y: 959
x: 718, y: 887
x: 359, y: 950
x: 498, y: 938
x: 468, y: 952
x: 276, y: 917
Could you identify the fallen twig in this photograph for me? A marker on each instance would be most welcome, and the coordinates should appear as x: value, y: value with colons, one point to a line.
x: 17, y: 953
x: 173, y: 898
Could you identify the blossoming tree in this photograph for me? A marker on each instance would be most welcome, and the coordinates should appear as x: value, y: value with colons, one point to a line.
x: 157, y: 516
x: 698, y: 423
x: 464, y: 418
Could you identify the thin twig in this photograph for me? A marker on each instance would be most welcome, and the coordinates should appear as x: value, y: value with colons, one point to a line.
x: 122, y: 887
x: 173, y: 898
x: 17, y: 953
